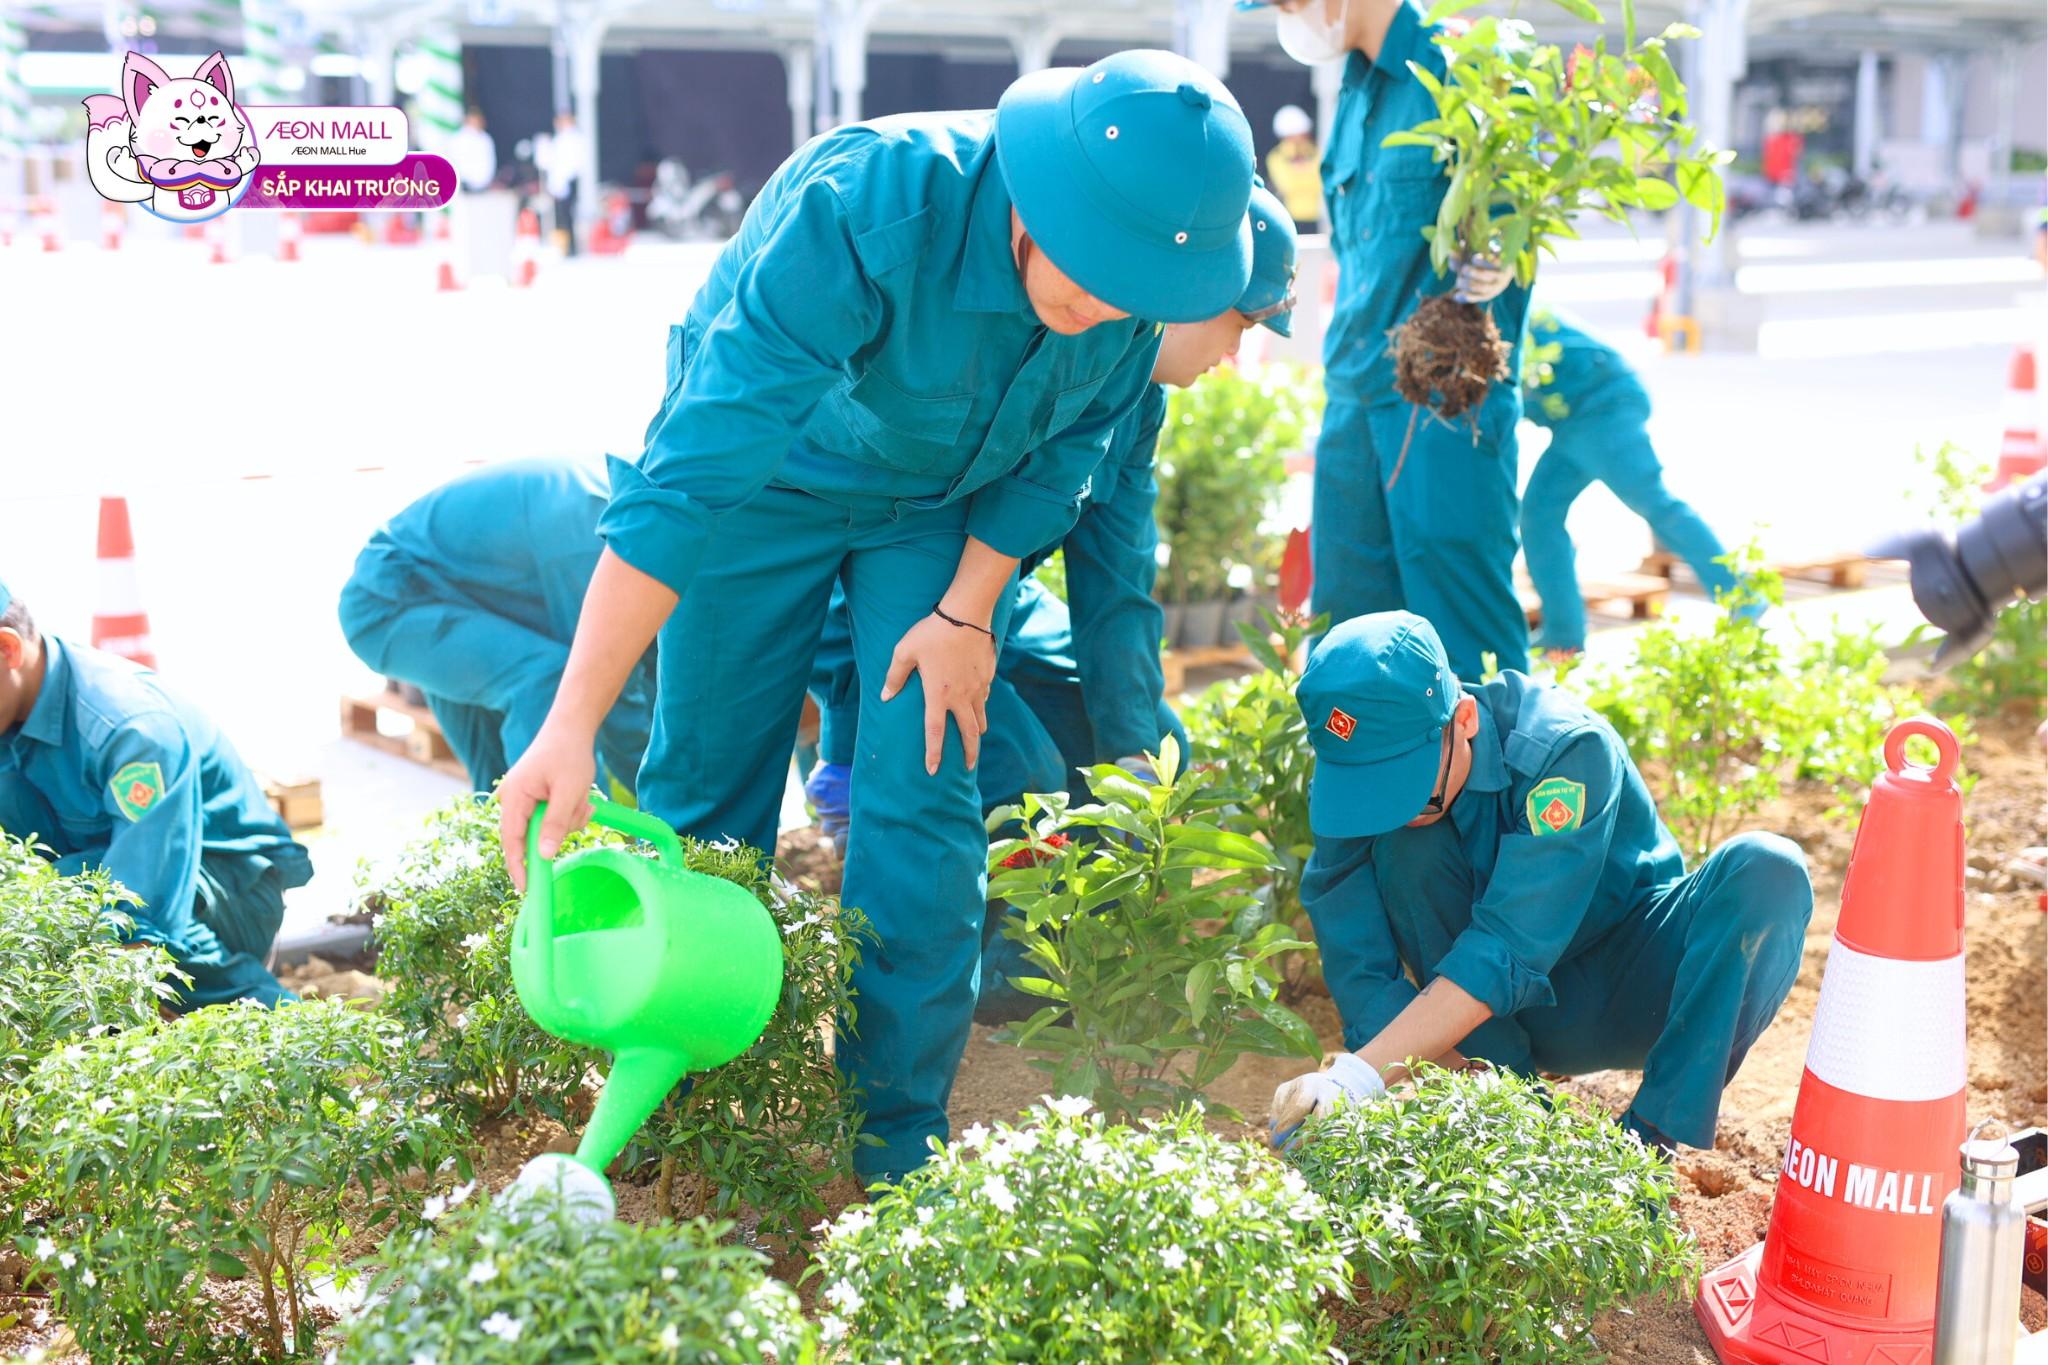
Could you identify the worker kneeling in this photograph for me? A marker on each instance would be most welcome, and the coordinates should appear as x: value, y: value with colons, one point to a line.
x: 1499, y: 844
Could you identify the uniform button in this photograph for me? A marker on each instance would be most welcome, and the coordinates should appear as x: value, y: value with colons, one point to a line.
x: 1343, y: 190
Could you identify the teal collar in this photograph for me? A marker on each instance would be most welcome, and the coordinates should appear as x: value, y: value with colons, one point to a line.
x: 988, y: 268
x: 45, y: 723
x: 1489, y: 765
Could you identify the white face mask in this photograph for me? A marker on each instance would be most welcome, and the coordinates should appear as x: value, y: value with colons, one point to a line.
x: 1313, y: 34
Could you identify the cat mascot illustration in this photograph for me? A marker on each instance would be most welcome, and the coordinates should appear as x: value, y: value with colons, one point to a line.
x: 176, y: 145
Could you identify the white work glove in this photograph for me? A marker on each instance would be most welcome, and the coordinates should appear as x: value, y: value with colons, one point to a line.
x: 1481, y: 279
x: 585, y: 1192
x: 1344, y: 1079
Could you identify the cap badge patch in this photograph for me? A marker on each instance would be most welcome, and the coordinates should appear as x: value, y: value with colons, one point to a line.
x: 1341, y: 723
x: 1556, y: 805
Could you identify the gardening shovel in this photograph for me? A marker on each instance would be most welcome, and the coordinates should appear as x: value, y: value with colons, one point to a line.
x: 671, y: 971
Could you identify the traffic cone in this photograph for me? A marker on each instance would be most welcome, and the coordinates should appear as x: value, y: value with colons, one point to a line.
x: 112, y: 220
x: 1846, y: 1272
x: 288, y: 237
x: 526, y: 250
x: 120, y: 625
x: 52, y: 240
x: 216, y: 233
x: 2020, y: 454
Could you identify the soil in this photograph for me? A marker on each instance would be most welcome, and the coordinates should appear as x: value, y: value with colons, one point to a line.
x: 1724, y: 1194
x: 1447, y: 355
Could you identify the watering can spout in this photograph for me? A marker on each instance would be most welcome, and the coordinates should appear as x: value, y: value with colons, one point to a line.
x: 641, y: 1078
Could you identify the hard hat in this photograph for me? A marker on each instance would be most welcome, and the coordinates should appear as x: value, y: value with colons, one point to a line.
x: 1291, y: 120
x: 1133, y: 176
x: 1269, y: 298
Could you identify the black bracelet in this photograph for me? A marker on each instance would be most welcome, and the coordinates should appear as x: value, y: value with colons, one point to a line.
x: 940, y: 612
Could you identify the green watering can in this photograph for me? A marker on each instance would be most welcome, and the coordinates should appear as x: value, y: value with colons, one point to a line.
x: 671, y: 971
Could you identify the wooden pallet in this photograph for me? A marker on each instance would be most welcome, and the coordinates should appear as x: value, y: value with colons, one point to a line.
x: 296, y: 800
x: 1843, y: 570
x: 421, y: 740
x: 1177, y: 662
x: 1643, y: 594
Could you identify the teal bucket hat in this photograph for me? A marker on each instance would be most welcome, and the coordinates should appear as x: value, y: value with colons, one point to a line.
x: 1376, y: 696
x: 1269, y: 298
x: 1133, y: 176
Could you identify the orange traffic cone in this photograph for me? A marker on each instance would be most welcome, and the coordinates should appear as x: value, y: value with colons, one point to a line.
x: 113, y: 219
x: 1846, y: 1272
x: 217, y: 234
x: 445, y: 280
x: 288, y: 237
x: 53, y: 240
x: 2021, y: 454
x: 526, y: 250
x: 120, y: 626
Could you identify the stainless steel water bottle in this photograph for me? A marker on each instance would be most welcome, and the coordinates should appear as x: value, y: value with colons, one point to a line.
x: 1983, y: 1238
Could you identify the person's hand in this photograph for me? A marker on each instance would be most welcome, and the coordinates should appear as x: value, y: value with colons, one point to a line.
x: 1344, y: 1079
x: 1481, y: 279
x: 557, y: 768
x: 957, y: 664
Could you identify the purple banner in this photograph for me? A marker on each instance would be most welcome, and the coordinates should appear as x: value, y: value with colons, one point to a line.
x: 421, y: 181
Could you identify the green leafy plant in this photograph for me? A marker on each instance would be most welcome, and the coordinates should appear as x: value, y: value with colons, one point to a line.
x: 1539, y: 365
x: 1489, y: 1220
x: 768, y: 1131
x: 1530, y: 137
x: 1840, y: 709
x: 231, y: 1143
x: 1129, y: 909
x: 1066, y: 1240
x: 494, y: 1284
x: 63, y: 972
x: 443, y: 919
x: 2011, y: 671
x: 1248, y: 732
x: 1222, y: 458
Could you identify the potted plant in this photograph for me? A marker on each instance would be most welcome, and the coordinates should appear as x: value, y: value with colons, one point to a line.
x: 1530, y: 136
x: 1222, y: 459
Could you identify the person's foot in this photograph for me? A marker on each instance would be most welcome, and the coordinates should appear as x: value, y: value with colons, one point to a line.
x: 827, y: 791
x: 1651, y: 1136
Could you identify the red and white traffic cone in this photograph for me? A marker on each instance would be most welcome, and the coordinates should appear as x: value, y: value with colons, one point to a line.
x: 1846, y: 1272
x: 445, y: 280
x: 113, y: 221
x: 526, y: 250
x: 120, y: 625
x: 2020, y: 453
x: 52, y: 239
x: 217, y: 235
x: 288, y: 237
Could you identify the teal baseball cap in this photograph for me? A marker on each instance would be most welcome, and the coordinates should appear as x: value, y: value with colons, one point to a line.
x: 1133, y: 176
x: 1269, y: 298
x: 1377, y: 694
x: 6, y: 598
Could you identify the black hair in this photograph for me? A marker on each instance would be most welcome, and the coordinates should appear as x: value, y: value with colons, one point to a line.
x: 17, y: 619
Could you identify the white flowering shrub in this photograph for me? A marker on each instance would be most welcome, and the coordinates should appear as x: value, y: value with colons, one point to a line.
x: 1067, y: 1239
x: 492, y: 1285
x: 1489, y: 1220
x: 63, y: 971
x: 239, y: 1142
x: 443, y: 922
x: 768, y: 1131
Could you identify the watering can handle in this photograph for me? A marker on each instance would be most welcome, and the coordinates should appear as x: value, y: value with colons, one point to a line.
x: 611, y: 814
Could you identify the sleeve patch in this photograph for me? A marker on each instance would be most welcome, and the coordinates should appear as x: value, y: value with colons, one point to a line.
x: 137, y: 787
x: 1556, y: 805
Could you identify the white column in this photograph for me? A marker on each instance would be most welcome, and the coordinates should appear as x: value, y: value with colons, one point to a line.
x: 256, y: 70
x: 380, y: 77
x: 2005, y: 109
x: 586, y: 43
x: 1934, y: 108
x: 1034, y: 46
x: 849, y: 57
x: 1869, y: 121
x: 797, y: 66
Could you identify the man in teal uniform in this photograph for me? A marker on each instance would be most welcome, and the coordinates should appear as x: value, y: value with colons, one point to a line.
x: 1491, y: 879
x: 898, y: 378
x: 1597, y: 412
x: 471, y: 594
x: 1441, y: 540
x: 110, y: 768
x: 1079, y: 682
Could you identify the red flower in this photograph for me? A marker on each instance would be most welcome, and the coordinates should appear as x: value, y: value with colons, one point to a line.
x: 1031, y: 857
